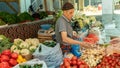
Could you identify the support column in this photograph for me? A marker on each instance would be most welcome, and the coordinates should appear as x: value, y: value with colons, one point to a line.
x: 81, y: 5
x: 107, y: 11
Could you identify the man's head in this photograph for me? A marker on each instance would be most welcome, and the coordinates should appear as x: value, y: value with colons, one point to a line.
x: 68, y: 10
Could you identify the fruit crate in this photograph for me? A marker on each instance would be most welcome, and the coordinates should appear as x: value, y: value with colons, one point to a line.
x: 43, y: 35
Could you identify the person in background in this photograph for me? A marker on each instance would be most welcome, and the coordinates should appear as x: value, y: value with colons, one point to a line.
x: 64, y: 32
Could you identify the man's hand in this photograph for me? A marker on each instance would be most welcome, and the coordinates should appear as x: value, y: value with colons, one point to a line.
x: 86, y: 45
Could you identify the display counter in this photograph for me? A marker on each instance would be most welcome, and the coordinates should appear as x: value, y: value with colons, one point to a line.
x: 23, y: 30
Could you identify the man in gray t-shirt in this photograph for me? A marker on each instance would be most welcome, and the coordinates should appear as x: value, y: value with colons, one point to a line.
x: 63, y: 29
x: 63, y: 24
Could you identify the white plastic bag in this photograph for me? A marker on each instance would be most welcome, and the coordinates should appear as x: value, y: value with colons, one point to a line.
x: 32, y: 62
x: 51, y: 55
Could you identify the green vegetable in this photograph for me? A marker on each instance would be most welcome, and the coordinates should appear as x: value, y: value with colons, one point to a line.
x: 4, y: 43
x: 2, y: 22
x: 50, y: 43
x: 3, y: 14
x: 43, y: 14
x: 25, y: 16
x: 10, y: 19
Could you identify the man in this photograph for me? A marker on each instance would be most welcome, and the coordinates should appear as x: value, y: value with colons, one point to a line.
x: 64, y: 31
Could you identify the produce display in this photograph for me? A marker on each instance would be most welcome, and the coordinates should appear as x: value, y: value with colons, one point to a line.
x: 74, y: 62
x: 49, y: 43
x: 82, y: 21
x: 93, y: 56
x: 112, y: 61
x: 8, y: 59
x: 91, y: 38
x: 4, y: 43
x: 21, y: 59
x: 25, y: 48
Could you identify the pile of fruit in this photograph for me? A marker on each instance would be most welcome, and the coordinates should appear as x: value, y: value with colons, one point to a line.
x: 112, y: 61
x: 74, y: 62
x: 8, y: 59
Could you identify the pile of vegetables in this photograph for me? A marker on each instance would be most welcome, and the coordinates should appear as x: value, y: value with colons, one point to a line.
x: 93, y: 56
x: 9, y: 18
x: 4, y: 43
x: 25, y: 17
x: 26, y: 47
x: 91, y: 38
x: 49, y: 43
x: 8, y: 59
x: 42, y: 14
x: 2, y: 22
x: 74, y: 62
x: 21, y: 59
x: 31, y: 66
x: 83, y: 21
x: 112, y: 61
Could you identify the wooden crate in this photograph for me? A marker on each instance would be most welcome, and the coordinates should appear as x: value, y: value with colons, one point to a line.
x: 44, y: 36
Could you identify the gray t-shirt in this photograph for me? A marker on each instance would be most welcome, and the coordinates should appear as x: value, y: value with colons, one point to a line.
x: 63, y: 24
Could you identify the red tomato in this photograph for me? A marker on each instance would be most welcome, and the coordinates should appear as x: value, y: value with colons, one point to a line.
x: 99, y: 66
x: 14, y: 55
x: 6, y: 52
x: 67, y: 59
x: 62, y: 66
x: 116, y: 55
x: 4, y: 58
x: 67, y: 67
x: 74, y: 58
x: 119, y: 63
x: 74, y: 62
x: 113, y: 64
x: 79, y: 62
x: 66, y: 64
x: 75, y: 66
x: 81, y: 66
x: 110, y: 61
x: 86, y: 66
x: 13, y: 62
x: 4, y: 65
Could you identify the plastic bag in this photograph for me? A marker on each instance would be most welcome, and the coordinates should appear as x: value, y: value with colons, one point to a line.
x: 51, y: 55
x: 32, y: 62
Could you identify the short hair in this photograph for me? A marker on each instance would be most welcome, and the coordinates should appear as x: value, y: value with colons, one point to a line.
x: 67, y: 6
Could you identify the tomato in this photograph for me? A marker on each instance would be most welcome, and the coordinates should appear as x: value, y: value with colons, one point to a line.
x: 67, y: 67
x: 74, y: 58
x: 6, y: 52
x: 74, y: 62
x: 62, y: 66
x: 67, y: 64
x: 99, y: 66
x: 4, y: 58
x: 14, y: 55
x: 75, y: 66
x: 79, y: 62
x: 67, y: 59
x: 116, y: 55
x: 13, y: 62
x: 81, y: 66
x: 4, y: 65
x: 119, y: 63
x: 113, y: 64
x: 110, y: 61
x: 86, y: 66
